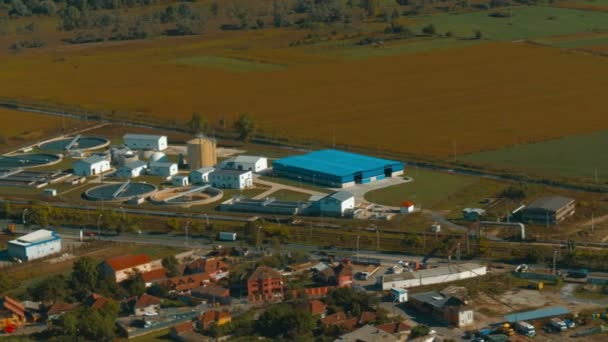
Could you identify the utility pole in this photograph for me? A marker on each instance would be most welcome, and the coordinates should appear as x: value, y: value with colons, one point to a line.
x: 24, y: 220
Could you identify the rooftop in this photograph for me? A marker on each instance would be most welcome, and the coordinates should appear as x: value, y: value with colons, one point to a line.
x: 211, y: 290
x: 151, y: 276
x: 536, y: 314
x: 135, y: 164
x: 124, y: 262
x: 92, y: 160
x: 230, y: 172
x: 316, y: 307
x: 341, y: 195
x: 335, y: 162
x: 13, y: 306
x: 38, y: 236
x: 60, y: 307
x: 205, y: 170
x: 146, y: 300
x: 142, y: 136
x: 552, y: 203
x: 247, y: 159
x: 432, y: 272
x: 436, y: 299
x: 367, y: 333
x: 161, y: 164
x: 394, y: 327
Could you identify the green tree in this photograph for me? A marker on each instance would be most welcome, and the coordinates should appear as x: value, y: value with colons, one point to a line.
x: 19, y: 9
x: 238, y: 10
x: 6, y: 282
x: 85, y: 274
x: 51, y: 289
x: 477, y: 34
x: 420, y: 330
x: 135, y: 285
x: 245, y: 126
x: 429, y: 30
x: 285, y: 321
x: 279, y: 14
x: 347, y: 299
x: 40, y: 215
x: 170, y: 263
x: 214, y: 8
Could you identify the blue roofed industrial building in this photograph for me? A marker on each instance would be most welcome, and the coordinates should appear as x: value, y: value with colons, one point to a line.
x: 338, y: 169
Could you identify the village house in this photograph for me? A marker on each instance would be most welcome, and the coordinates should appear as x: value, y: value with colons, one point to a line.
x: 214, y: 267
x: 185, y: 284
x: 211, y: 317
x: 317, y: 308
x: 58, y: 309
x: 147, y: 305
x: 12, y: 314
x: 368, y: 333
x: 123, y: 267
x: 399, y: 329
x: 265, y: 284
x: 448, y: 309
x: 213, y: 294
x: 347, y: 322
x: 153, y: 277
x: 340, y: 275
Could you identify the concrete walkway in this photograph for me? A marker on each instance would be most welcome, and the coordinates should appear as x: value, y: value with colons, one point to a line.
x: 274, y: 187
x: 360, y: 190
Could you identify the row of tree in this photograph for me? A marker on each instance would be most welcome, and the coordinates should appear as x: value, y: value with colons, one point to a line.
x: 245, y: 126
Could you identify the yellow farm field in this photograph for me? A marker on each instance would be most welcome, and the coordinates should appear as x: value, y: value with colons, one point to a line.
x: 433, y: 103
x: 20, y: 128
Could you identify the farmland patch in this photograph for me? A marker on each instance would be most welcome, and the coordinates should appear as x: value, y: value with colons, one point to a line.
x: 229, y: 64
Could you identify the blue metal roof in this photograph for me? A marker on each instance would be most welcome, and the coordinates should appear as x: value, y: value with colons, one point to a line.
x: 335, y: 162
x: 536, y: 314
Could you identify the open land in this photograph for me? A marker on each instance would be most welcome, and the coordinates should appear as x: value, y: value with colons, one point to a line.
x: 408, y: 83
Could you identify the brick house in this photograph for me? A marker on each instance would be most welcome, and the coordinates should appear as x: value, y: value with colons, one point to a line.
x: 265, y: 284
x: 122, y: 267
x: 185, y: 284
x: 213, y: 294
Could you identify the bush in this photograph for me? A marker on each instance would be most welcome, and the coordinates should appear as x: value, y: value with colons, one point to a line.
x: 500, y: 15
x: 429, y: 30
x: 420, y: 330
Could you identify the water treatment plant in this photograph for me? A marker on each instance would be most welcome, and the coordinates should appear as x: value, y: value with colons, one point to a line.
x: 119, y: 192
x: 82, y: 143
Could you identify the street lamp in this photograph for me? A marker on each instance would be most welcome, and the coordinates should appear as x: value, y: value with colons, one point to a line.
x: 99, y: 224
x: 23, y: 217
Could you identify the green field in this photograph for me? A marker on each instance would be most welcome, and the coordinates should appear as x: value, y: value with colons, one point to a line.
x: 428, y: 189
x: 525, y: 23
x: 288, y: 195
x: 570, y: 157
x: 229, y: 64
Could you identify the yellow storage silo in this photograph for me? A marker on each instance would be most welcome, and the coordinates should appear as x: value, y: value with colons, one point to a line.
x: 201, y: 153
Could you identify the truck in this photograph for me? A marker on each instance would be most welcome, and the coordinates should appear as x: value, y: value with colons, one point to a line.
x: 227, y: 236
x: 557, y: 324
x: 525, y: 328
x: 505, y: 329
x: 395, y: 270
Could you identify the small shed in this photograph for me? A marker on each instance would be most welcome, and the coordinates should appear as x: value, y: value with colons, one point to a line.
x: 180, y: 180
x: 399, y: 295
x: 407, y: 207
x: 473, y: 214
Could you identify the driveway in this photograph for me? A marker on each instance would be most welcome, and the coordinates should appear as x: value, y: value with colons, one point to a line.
x: 360, y: 190
x: 274, y: 187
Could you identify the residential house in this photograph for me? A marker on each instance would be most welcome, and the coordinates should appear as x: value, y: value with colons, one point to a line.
x: 186, y: 283
x: 214, y: 317
x: 340, y: 275
x: 184, y: 332
x: 96, y: 301
x: 214, y: 267
x: 12, y: 314
x: 317, y: 308
x: 58, y: 309
x: 347, y: 322
x: 398, y: 329
x: 147, y: 305
x: 447, y: 309
x: 265, y: 284
x: 213, y: 294
x: 122, y: 267
x: 368, y: 333
x: 155, y: 276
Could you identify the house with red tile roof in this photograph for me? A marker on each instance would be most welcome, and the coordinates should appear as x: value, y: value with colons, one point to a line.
x: 96, y: 301
x: 347, y: 322
x: 396, y: 328
x: 213, y: 294
x: 214, y: 267
x: 265, y: 284
x: 154, y: 276
x: 12, y: 314
x: 147, y: 305
x: 122, y: 267
x: 317, y: 308
x: 185, y: 284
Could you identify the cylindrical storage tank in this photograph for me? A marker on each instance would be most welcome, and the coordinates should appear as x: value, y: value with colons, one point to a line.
x: 201, y: 153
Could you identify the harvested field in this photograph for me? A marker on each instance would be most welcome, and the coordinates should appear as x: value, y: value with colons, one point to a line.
x: 449, y: 101
x: 20, y: 128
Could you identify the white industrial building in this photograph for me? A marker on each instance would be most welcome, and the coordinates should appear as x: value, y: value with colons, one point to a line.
x: 145, y: 141
x: 399, y: 295
x: 431, y: 276
x: 91, y: 166
x: 35, y: 245
x: 201, y: 175
x: 133, y: 169
x: 249, y: 163
x: 180, y: 181
x: 231, y: 179
x: 337, y: 204
x: 165, y: 169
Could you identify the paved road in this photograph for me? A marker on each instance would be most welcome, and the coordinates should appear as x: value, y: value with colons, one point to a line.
x: 278, y: 186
